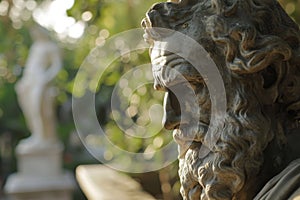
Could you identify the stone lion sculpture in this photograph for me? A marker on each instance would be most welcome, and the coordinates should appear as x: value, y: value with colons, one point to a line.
x: 256, y: 48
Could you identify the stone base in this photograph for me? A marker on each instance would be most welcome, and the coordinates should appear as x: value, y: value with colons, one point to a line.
x: 40, y: 175
x: 43, y: 161
x: 21, y: 187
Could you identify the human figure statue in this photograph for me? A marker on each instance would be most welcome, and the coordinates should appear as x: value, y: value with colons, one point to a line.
x: 252, y: 149
x: 36, y: 94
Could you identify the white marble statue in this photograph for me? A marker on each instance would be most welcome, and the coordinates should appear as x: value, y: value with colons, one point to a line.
x: 35, y: 92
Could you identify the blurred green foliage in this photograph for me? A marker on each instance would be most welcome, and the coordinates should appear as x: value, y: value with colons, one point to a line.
x: 102, y: 19
x: 110, y: 17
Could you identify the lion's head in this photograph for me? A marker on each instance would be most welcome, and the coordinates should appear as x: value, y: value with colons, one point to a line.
x: 256, y: 48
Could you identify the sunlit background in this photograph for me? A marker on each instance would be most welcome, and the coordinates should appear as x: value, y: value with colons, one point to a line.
x: 78, y: 26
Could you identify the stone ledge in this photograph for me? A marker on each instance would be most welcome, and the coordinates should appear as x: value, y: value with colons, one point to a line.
x: 99, y: 182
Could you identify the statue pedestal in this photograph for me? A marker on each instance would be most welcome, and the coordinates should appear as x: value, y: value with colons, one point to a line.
x: 40, y: 175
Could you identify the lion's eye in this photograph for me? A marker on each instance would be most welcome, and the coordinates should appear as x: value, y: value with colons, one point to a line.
x: 185, y: 25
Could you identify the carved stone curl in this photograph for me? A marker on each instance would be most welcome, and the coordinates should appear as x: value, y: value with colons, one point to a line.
x: 256, y: 47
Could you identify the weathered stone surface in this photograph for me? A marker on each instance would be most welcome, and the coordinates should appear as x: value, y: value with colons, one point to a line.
x: 99, y: 182
x: 256, y: 49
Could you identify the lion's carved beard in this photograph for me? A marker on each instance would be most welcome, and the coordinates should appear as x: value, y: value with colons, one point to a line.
x: 237, y: 155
